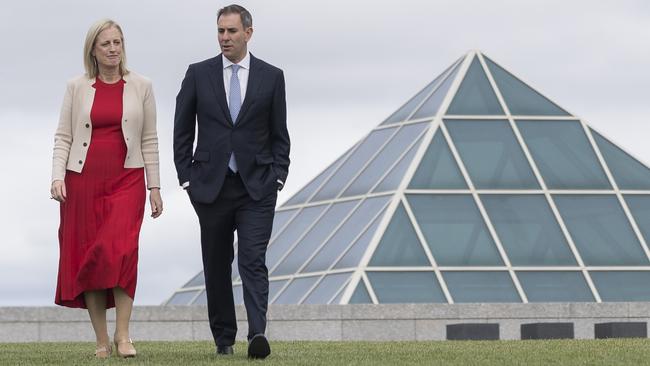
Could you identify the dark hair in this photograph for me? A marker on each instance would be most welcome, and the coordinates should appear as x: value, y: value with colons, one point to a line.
x: 246, y: 17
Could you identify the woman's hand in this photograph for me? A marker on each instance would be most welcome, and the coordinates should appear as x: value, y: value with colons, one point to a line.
x: 57, y: 191
x: 156, y: 202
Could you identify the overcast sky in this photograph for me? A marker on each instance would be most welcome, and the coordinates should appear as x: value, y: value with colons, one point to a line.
x: 348, y: 65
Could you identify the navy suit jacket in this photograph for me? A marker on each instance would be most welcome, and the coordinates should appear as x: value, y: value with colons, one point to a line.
x: 259, y: 137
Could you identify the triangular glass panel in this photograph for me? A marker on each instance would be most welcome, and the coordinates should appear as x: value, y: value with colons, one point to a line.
x: 202, y: 299
x: 399, y: 246
x: 491, y: 153
x: 296, y: 290
x: 394, y: 178
x: 360, y: 294
x: 303, y: 195
x: 275, y: 287
x: 639, y: 205
x: 406, y: 287
x: 555, y: 286
x: 346, y: 234
x: 280, y: 219
x: 563, y: 154
x: 351, y: 167
x: 403, y: 113
x: 628, y: 172
x: 279, y: 246
x: 600, y: 230
x: 475, y: 95
x: 385, y: 158
x: 327, y: 288
x: 528, y: 230
x: 336, y: 300
x: 438, y: 169
x: 454, y: 230
x: 521, y: 99
x: 312, y: 240
x: 481, y: 286
x: 353, y: 256
x: 430, y: 107
x: 622, y: 285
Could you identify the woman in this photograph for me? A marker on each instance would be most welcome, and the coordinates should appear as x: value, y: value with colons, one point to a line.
x: 106, y: 136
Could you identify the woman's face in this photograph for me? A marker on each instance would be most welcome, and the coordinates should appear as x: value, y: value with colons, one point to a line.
x: 108, y: 48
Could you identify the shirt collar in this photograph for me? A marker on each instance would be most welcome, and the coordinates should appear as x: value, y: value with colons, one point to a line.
x: 244, y: 63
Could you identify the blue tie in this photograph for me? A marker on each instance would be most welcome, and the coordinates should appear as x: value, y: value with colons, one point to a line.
x: 235, y: 106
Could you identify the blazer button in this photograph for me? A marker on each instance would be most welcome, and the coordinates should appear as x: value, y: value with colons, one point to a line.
x: 87, y: 125
x: 85, y: 144
x: 80, y: 162
x: 127, y: 139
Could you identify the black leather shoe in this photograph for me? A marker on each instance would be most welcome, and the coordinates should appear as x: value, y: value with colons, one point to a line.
x: 225, y: 350
x: 258, y: 347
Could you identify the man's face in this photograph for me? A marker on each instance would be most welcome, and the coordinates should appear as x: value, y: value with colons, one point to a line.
x: 233, y: 37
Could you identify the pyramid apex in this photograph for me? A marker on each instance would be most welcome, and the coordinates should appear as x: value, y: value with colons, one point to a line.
x: 469, y: 54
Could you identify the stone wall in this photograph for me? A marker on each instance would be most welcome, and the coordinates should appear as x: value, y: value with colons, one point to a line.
x: 319, y: 322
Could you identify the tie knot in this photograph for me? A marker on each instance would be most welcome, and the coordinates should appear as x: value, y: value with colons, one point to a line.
x: 235, y: 68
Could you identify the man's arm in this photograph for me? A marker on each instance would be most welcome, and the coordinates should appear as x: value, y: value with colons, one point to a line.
x: 184, y: 127
x: 280, y: 143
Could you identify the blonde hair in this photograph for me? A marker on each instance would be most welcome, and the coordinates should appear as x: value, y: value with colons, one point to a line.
x: 90, y: 63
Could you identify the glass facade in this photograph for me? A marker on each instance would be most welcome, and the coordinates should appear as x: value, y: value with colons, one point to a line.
x: 478, y: 189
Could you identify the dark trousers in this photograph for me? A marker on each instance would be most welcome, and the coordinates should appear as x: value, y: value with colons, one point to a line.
x: 253, y: 220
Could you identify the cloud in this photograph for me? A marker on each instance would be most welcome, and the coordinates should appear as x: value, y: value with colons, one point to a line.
x: 348, y: 65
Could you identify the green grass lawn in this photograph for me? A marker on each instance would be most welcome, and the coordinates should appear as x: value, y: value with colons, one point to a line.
x: 557, y: 352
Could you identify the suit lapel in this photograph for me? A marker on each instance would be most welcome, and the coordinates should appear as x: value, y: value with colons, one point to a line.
x: 216, y: 78
x: 254, y: 81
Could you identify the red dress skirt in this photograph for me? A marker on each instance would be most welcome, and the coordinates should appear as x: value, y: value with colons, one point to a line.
x: 102, y: 215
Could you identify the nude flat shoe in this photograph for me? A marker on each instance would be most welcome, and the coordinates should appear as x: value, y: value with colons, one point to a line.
x: 124, y: 348
x: 103, y: 351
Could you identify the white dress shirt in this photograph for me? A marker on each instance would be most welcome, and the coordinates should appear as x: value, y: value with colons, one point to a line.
x: 242, y: 73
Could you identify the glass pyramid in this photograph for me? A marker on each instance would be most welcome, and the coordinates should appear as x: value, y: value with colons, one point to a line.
x: 478, y: 189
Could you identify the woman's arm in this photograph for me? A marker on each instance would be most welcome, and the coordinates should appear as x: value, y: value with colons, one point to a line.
x: 149, y: 142
x: 62, y: 143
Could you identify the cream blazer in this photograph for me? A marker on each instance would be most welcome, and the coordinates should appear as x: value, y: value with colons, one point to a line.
x: 73, y: 135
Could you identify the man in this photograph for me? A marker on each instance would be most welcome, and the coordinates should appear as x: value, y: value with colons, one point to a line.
x: 232, y: 178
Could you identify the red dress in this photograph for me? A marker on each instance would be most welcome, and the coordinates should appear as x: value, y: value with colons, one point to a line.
x: 102, y: 215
